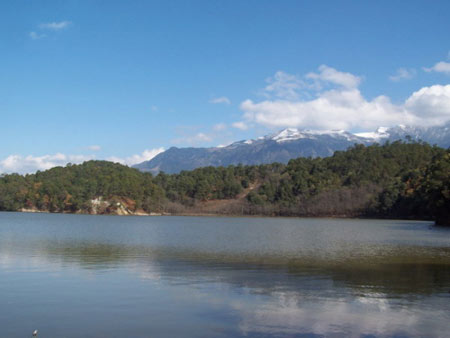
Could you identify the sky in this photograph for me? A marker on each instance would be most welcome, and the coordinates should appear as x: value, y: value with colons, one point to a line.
x: 125, y: 80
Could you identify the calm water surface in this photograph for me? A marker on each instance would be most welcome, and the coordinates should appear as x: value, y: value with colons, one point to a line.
x: 106, y: 276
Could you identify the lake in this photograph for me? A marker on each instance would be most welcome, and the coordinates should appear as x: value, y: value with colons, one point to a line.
x: 111, y: 276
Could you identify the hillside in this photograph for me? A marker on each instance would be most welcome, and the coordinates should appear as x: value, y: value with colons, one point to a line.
x: 396, y: 180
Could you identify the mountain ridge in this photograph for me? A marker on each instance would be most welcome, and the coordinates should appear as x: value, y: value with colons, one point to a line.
x: 287, y: 144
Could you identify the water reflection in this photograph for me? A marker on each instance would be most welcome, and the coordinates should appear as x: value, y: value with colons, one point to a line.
x: 279, y: 299
x: 290, y: 313
x: 405, y: 270
x: 141, y: 287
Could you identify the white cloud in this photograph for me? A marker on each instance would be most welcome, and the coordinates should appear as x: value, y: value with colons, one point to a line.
x: 283, y: 85
x: 29, y: 164
x: 146, y: 155
x: 222, y: 99
x: 344, y: 107
x: 330, y: 75
x: 52, y: 26
x: 430, y: 104
x: 55, y: 26
x: 403, y: 74
x: 440, y: 67
x: 219, y: 127
x: 333, y: 109
x: 94, y: 147
x: 36, y: 36
x: 240, y: 125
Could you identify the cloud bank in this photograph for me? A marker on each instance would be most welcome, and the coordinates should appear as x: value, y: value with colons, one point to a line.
x: 331, y: 99
x: 29, y: 164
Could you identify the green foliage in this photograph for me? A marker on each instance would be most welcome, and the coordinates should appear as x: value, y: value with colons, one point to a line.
x: 405, y: 180
x: 393, y: 180
x: 72, y: 188
x: 435, y: 188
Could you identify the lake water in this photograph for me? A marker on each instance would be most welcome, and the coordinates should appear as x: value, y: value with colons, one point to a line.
x: 110, y: 276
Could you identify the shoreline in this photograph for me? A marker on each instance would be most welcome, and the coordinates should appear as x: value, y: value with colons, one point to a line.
x: 153, y: 214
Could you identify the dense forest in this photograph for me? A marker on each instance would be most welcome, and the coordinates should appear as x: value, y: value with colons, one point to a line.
x: 394, y: 180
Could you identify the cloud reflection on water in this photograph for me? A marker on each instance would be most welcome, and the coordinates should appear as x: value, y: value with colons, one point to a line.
x: 289, y: 313
x: 271, y: 299
x: 223, y: 277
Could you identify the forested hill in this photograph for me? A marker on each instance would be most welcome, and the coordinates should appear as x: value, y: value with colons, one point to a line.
x: 395, y: 180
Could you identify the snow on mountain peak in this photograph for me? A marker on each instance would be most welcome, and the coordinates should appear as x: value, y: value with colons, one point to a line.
x: 380, y: 133
x: 291, y: 134
x: 383, y: 130
x: 288, y: 134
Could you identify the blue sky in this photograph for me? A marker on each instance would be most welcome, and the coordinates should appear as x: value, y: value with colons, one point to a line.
x: 121, y: 80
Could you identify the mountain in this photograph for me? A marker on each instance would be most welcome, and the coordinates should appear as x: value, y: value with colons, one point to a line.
x: 432, y: 135
x: 285, y: 145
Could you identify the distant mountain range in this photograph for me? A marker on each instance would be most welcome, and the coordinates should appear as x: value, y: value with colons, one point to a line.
x: 287, y: 144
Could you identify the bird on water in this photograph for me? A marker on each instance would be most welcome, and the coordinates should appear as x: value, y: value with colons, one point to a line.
x: 35, y: 333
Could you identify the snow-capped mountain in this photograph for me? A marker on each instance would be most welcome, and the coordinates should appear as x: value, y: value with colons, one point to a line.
x: 380, y: 134
x: 287, y: 144
x: 432, y: 135
x: 291, y: 134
